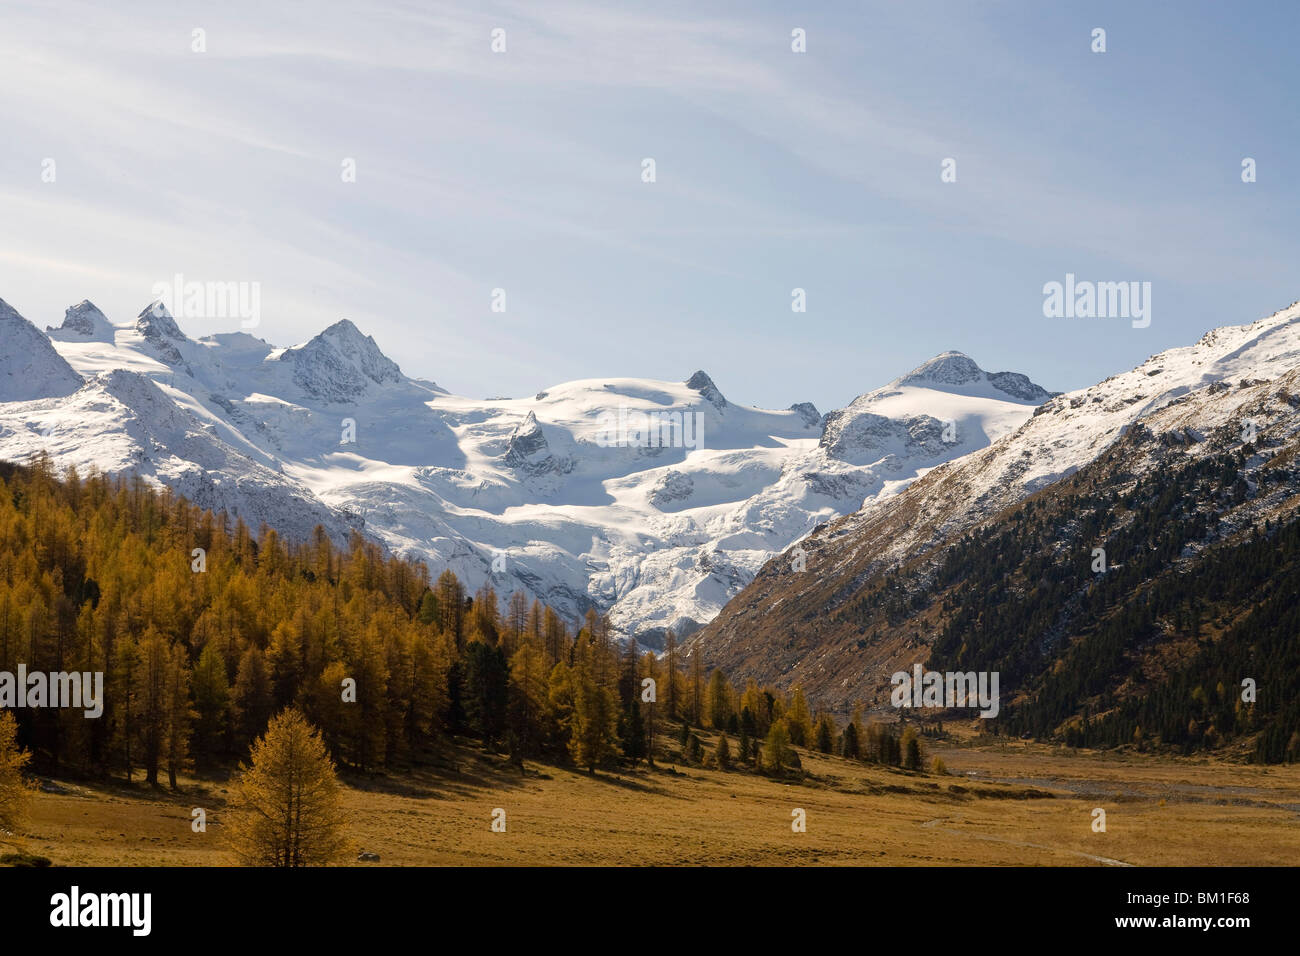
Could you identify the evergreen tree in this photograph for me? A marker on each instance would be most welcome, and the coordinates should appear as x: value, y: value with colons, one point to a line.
x: 911, y: 750
x: 849, y: 744
x: 723, y: 753
x: 634, y: 741
x: 487, y: 691
x: 211, y: 702
x: 155, y: 701
x: 825, y: 734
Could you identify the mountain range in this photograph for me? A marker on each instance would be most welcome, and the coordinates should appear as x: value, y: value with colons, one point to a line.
x: 533, y: 493
x: 1212, y: 429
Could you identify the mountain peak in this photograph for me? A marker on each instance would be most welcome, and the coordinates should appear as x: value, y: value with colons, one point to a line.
x: 155, y: 320
x: 528, y: 450
x: 340, y: 363
x: 701, y: 382
x: 808, y: 412
x: 160, y: 330
x: 953, y: 369
x: 82, y: 322
x: 30, y: 368
x: 344, y: 329
x: 946, y: 368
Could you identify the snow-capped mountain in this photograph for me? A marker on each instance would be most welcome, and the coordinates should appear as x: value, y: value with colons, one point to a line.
x: 1071, y: 429
x: 30, y: 367
x: 654, y: 501
x: 785, y: 625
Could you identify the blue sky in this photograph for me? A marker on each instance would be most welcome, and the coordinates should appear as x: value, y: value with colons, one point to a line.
x: 774, y: 170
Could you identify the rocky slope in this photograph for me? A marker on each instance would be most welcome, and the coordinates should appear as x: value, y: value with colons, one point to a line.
x: 791, y: 626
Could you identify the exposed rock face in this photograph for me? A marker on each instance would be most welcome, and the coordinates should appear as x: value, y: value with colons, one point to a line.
x: 1015, y: 384
x: 528, y: 451
x: 673, y: 487
x: 81, y: 323
x: 340, y: 364
x: 808, y: 412
x: 704, y: 385
x: 162, y: 333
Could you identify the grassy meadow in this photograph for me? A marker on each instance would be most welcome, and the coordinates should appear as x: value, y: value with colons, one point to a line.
x: 1011, y: 803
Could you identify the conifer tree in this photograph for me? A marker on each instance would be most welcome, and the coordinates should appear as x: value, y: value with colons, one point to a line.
x: 651, y: 665
x: 211, y: 691
x: 776, y: 752
x: 487, y: 683
x: 825, y: 735
x: 252, y: 695
x: 911, y: 747
x: 155, y: 701
x: 850, y: 747
x: 368, y: 717
x: 723, y: 753
x: 527, y: 697
x: 125, y: 684
x: 719, y: 696
x: 284, y: 659
x: 697, y: 690
x: 287, y: 809
x: 798, y: 719
x: 671, y: 692
x: 633, y: 734
x: 180, y: 716
x: 15, y: 796
x: 594, y: 722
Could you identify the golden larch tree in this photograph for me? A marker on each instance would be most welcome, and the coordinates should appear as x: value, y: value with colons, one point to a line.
x: 14, y: 792
x: 286, y: 805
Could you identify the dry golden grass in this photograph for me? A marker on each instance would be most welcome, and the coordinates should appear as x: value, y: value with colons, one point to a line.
x: 1001, y: 804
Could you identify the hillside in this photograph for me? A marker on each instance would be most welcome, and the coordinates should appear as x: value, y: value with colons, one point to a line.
x: 994, y: 552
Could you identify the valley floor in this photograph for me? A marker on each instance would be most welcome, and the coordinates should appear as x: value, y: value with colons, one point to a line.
x: 1012, y: 803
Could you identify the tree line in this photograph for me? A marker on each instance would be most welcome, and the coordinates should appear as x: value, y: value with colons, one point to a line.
x: 204, y: 631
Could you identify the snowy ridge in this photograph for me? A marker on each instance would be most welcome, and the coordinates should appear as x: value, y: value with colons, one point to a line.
x: 1072, y: 429
x: 839, y: 629
x: 332, y: 431
x: 30, y: 367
